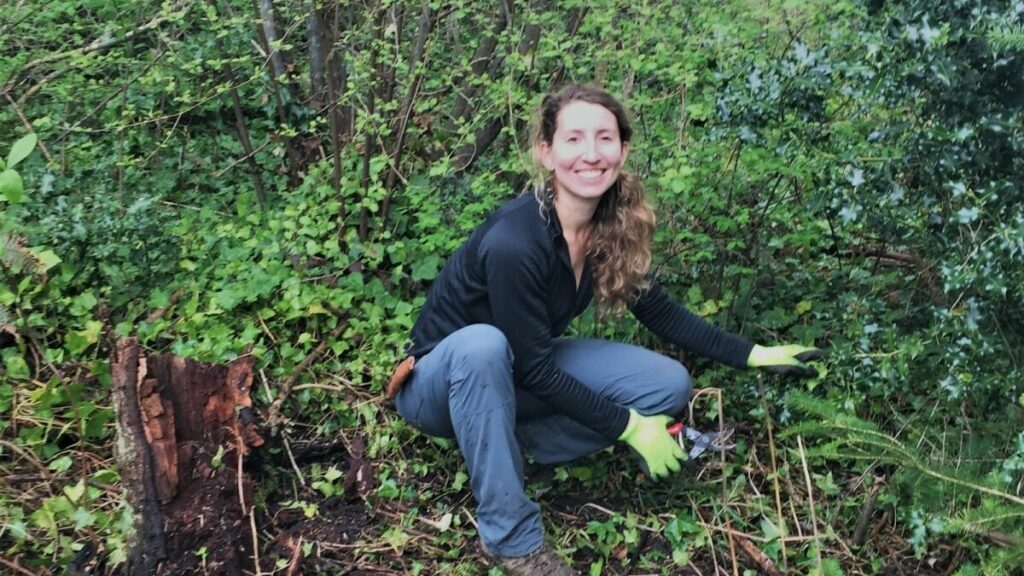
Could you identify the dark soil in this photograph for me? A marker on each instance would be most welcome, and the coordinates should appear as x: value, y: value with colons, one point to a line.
x: 208, y: 518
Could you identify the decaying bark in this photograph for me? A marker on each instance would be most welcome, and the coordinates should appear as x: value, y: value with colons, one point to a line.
x: 135, y: 460
x: 181, y: 426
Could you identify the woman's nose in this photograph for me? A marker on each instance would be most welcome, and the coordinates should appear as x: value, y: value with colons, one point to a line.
x: 590, y: 151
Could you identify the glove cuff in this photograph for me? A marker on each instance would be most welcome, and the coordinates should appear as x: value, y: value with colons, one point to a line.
x: 756, y: 357
x: 634, y: 420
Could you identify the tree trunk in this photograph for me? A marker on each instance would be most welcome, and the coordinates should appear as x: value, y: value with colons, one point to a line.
x: 369, y: 138
x: 277, y: 62
x: 243, y: 137
x: 485, y: 136
x: 317, y: 66
x: 402, y: 128
x: 484, y: 54
x: 182, y: 429
x: 279, y: 73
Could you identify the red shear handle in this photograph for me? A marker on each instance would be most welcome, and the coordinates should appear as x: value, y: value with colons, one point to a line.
x: 676, y: 428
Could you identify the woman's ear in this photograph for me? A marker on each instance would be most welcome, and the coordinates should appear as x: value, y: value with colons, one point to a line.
x: 544, y: 156
x: 625, y: 151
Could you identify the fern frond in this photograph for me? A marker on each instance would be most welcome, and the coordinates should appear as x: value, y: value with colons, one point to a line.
x: 825, y: 410
x: 831, y: 567
x: 1006, y: 38
x: 863, y: 436
x: 980, y: 519
x: 828, y: 450
x: 1013, y: 558
x: 15, y: 256
x: 6, y: 319
x: 809, y: 404
x: 807, y: 428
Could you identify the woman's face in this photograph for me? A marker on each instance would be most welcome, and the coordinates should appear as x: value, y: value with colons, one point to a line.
x: 586, y: 153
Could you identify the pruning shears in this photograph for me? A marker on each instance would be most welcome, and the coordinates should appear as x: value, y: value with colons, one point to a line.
x: 702, y: 441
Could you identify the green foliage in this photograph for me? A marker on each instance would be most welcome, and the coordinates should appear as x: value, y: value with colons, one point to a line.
x: 1006, y: 38
x: 843, y: 173
x: 945, y: 497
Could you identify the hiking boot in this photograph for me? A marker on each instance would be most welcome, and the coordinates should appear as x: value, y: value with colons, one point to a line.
x: 543, y: 562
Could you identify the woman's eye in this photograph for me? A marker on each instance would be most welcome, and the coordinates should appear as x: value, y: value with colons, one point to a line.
x: 572, y: 139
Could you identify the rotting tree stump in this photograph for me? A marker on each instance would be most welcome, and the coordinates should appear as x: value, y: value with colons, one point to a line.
x: 182, y: 430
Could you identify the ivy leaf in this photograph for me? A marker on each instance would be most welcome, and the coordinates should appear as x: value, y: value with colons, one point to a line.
x: 770, y: 530
x: 22, y: 148
x: 77, y: 341
x: 11, y: 186
x: 460, y: 480
x: 17, y: 529
x: 397, y: 538
x: 75, y: 493
x: 15, y: 366
x: 856, y: 177
x: 83, y: 518
x: 61, y: 465
x: 83, y: 303
x: 427, y: 268
x: 967, y: 215
x: 47, y: 259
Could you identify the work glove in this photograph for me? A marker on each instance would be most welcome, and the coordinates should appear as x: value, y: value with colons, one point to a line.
x: 647, y: 435
x: 788, y: 359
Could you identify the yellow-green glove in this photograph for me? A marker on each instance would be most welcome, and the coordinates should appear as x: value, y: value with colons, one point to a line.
x: 788, y: 359
x: 649, y: 437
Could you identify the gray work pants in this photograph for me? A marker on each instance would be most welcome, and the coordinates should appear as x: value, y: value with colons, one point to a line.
x: 464, y: 389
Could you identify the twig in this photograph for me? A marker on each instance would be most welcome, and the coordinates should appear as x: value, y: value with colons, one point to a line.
x: 104, y: 42
x: 266, y: 330
x: 30, y: 458
x: 291, y: 458
x: 810, y: 500
x: 759, y: 557
x: 274, y: 418
x: 293, y: 565
x: 242, y: 495
x: 266, y: 387
x: 111, y: 96
x: 725, y: 482
x: 97, y: 45
x: 865, y: 515
x: 775, y: 468
x: 244, y: 158
x: 752, y: 537
x: 28, y: 126
x: 243, y: 137
x: 732, y: 547
x: 255, y: 541
x: 319, y: 386
x: 14, y: 565
x: 251, y: 512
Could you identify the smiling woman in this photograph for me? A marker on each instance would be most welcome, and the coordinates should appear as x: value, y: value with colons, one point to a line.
x: 488, y: 364
x: 585, y: 154
x: 582, y: 142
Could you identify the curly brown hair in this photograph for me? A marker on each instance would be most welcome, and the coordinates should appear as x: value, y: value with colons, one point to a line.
x: 619, y: 244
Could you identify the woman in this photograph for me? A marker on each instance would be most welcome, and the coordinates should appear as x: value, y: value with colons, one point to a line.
x: 490, y: 368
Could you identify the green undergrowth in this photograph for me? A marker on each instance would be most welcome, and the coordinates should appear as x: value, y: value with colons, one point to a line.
x: 843, y: 174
